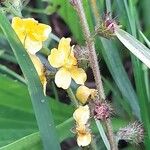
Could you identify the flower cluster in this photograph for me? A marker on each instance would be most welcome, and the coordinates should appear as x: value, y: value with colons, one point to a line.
x: 65, y: 60
x: 32, y: 35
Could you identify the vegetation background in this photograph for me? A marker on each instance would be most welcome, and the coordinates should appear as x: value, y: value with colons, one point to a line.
x: 125, y: 78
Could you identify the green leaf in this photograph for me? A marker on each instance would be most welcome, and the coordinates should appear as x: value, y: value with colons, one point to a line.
x: 103, y: 135
x: 135, y: 46
x: 40, y: 104
x: 114, y: 64
x: 33, y: 141
x: 16, y: 115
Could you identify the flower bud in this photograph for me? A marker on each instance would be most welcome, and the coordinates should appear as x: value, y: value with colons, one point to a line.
x: 133, y: 133
x: 84, y: 94
x: 84, y: 136
x: 82, y: 114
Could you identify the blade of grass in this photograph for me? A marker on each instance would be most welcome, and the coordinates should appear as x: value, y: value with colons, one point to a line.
x: 138, y: 70
x: 136, y: 47
x: 8, y: 57
x: 40, y: 104
x: 33, y: 141
x: 12, y: 73
x: 114, y: 64
x: 145, y: 38
x: 118, y: 98
x: 103, y: 135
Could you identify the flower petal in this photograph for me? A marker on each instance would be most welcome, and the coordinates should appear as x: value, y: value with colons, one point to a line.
x: 82, y: 114
x: 56, y: 58
x: 31, y: 33
x: 32, y: 46
x: 41, y: 32
x: 70, y: 60
x: 84, y: 139
x: 40, y: 70
x: 83, y: 94
x: 78, y: 74
x: 64, y: 45
x: 63, y: 78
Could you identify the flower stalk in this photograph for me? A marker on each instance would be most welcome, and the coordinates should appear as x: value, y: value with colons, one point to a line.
x: 94, y: 65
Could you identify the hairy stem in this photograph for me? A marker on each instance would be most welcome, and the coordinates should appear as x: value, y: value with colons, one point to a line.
x: 95, y: 67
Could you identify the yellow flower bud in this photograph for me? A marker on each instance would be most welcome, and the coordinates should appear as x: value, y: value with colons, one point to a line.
x: 83, y: 93
x: 82, y: 114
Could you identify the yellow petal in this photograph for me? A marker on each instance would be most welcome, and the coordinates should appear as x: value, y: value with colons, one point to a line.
x: 84, y: 139
x: 63, y: 78
x: 78, y: 74
x: 19, y: 28
x: 32, y: 46
x: 44, y: 82
x: 56, y: 58
x: 64, y: 45
x: 41, y: 32
x: 40, y: 70
x: 83, y: 94
x: 31, y: 33
x: 82, y: 114
x: 70, y: 60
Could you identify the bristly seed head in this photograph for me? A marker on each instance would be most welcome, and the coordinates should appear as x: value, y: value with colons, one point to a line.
x: 133, y: 133
x: 101, y: 110
x: 107, y: 26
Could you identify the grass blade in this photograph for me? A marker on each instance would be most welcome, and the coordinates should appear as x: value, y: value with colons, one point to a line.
x: 39, y: 102
x: 103, y: 135
x: 33, y: 141
x: 145, y: 38
x: 136, y: 47
x: 139, y: 72
x: 12, y: 73
x: 114, y: 64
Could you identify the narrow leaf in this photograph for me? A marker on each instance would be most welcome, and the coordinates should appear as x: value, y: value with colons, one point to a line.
x: 39, y: 102
x: 136, y: 47
x: 103, y: 135
x: 145, y: 38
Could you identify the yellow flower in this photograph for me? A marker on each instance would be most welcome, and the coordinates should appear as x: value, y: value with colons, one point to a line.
x: 83, y: 93
x: 63, y: 59
x: 40, y: 70
x: 82, y: 115
x: 84, y: 136
x: 31, y: 33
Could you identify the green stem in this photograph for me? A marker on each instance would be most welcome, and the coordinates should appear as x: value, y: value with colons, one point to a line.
x: 55, y: 91
x: 72, y: 97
